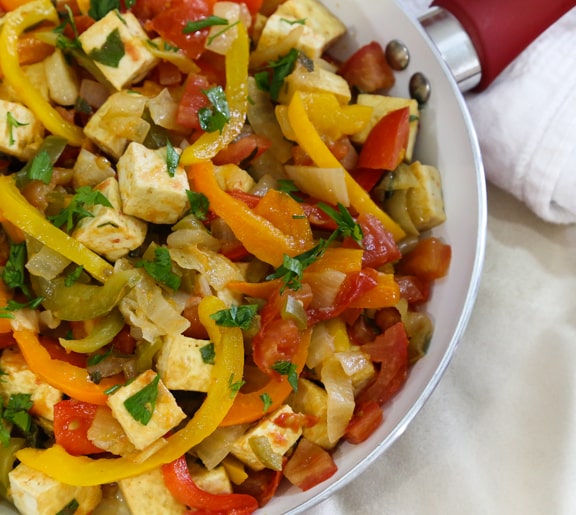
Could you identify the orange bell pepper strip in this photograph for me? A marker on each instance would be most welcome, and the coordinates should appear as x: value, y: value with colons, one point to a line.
x: 308, y: 138
x: 249, y: 407
x: 259, y: 236
x: 15, y: 23
x: 68, y: 378
x: 385, y: 294
x: 228, y: 368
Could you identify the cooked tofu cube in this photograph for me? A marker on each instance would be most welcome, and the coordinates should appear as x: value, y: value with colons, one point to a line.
x: 215, y: 481
x: 382, y: 105
x: 35, y: 493
x: 117, y: 44
x: 110, y: 232
x: 147, y: 493
x: 319, y: 80
x: 318, y: 27
x: 61, y: 79
x: 19, y: 378
x: 280, y: 438
x: 166, y: 413
x: 148, y: 191
x: 426, y: 202
x: 21, y: 133
x: 118, y: 122
x: 181, y: 366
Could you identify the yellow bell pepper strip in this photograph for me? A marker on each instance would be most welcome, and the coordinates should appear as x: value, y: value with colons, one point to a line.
x: 249, y: 407
x: 15, y: 23
x: 15, y: 209
x: 259, y: 236
x: 68, y: 378
x: 228, y: 368
x: 236, y: 66
x: 308, y: 138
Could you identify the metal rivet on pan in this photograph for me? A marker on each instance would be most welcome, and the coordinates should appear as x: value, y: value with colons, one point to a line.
x: 397, y: 55
x: 420, y: 88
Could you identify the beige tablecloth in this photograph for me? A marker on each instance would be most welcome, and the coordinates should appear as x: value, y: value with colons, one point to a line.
x: 498, y: 435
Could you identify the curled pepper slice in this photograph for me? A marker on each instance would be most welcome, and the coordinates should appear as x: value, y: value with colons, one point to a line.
x: 68, y: 378
x: 309, y: 139
x: 228, y: 368
x: 236, y: 64
x: 258, y: 235
x: 15, y: 209
x: 249, y: 407
x: 15, y: 23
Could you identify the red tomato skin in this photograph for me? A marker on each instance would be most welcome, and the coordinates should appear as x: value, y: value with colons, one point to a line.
x: 429, y: 260
x: 390, y: 349
x: 193, y: 99
x: 72, y: 419
x: 366, y: 419
x: 412, y: 288
x: 171, y: 21
x: 367, y: 178
x: 276, y: 341
x: 309, y: 465
x: 367, y: 69
x: 261, y: 485
x: 242, y: 151
x: 386, y: 143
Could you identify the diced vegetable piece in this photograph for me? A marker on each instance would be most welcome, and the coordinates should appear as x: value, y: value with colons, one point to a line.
x: 309, y: 465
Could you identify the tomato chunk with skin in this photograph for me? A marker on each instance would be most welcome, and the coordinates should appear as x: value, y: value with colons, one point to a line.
x: 386, y: 143
x: 429, y: 260
x: 193, y: 99
x: 309, y: 465
x: 72, y: 420
x: 367, y: 69
x: 366, y: 419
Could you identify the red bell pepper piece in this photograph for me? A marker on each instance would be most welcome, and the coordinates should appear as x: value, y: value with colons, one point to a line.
x: 386, y: 144
x: 181, y: 485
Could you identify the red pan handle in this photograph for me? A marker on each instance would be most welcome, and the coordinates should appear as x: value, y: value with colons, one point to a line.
x: 502, y: 29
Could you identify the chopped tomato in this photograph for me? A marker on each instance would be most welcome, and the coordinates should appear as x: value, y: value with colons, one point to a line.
x: 378, y: 243
x: 309, y: 465
x: 367, y: 69
x: 412, y: 288
x: 171, y: 21
x: 193, y: 99
x: 429, y: 260
x: 6, y: 340
x: 124, y: 342
x: 367, y: 178
x: 390, y: 350
x: 276, y: 341
x: 248, y: 198
x: 180, y: 483
x: 261, y: 485
x: 386, y: 143
x: 196, y: 329
x: 242, y: 151
x: 72, y: 419
x: 56, y: 351
x: 366, y: 419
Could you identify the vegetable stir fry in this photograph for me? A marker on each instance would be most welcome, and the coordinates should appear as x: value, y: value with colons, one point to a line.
x: 214, y: 252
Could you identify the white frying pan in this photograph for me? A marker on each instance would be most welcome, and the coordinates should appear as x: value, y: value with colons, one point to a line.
x: 459, y: 45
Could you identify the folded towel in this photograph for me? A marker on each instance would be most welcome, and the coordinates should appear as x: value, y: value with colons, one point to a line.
x: 526, y: 122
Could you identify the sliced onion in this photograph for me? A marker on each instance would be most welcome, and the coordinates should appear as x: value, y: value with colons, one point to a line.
x: 163, y: 110
x: 213, y: 449
x: 47, y: 263
x: 94, y: 93
x: 107, y: 433
x: 327, y: 184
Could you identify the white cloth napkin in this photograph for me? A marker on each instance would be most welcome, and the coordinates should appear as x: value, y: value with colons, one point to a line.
x: 526, y: 122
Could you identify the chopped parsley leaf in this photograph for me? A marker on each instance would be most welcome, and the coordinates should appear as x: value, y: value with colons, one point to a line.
x: 347, y: 226
x: 111, y: 52
x: 266, y: 400
x: 172, y: 159
x: 85, y: 197
x: 207, y: 353
x: 234, y: 386
x: 141, y: 405
x: 204, y: 23
x: 292, y: 268
x: 215, y: 117
x: 73, y: 276
x: 287, y: 368
x: 12, y: 124
x: 70, y: 508
x: 199, y: 204
x: 16, y: 411
x: 100, y: 8
x: 272, y: 79
x: 220, y: 32
x: 301, y: 21
x: 161, y: 268
x: 14, y: 275
x: 288, y: 186
x: 40, y: 167
x: 236, y: 316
